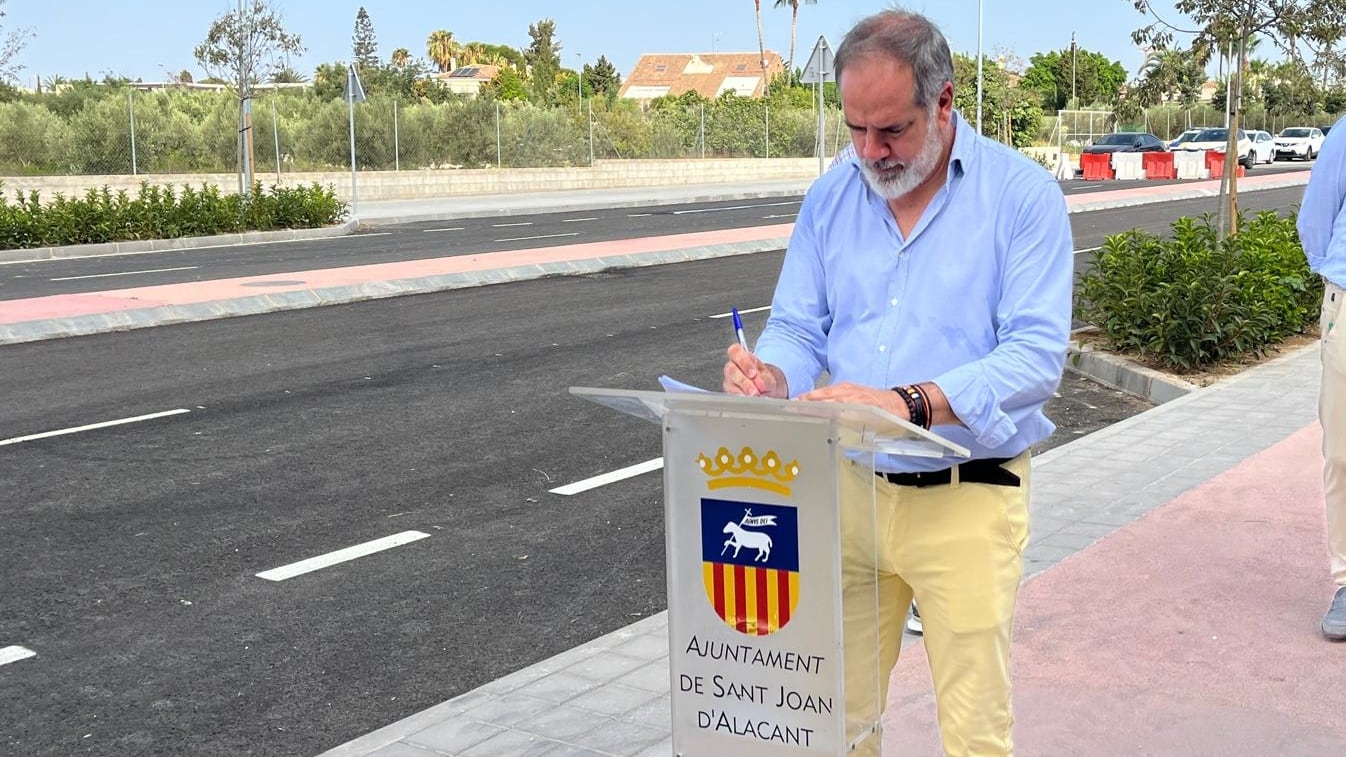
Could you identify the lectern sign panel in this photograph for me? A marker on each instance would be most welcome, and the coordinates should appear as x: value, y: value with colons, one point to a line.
x: 753, y: 587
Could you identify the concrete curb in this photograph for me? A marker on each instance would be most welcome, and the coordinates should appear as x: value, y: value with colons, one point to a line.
x: 163, y: 315
x: 167, y: 245
x: 571, y: 207
x: 1120, y: 373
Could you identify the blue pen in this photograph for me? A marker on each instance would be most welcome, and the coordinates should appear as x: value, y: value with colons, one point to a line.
x: 738, y: 331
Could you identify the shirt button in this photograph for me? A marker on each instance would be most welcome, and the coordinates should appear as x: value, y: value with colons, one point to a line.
x: 893, y: 302
x: 883, y: 348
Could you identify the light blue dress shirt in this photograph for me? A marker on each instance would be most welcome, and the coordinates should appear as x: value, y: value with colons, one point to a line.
x: 977, y: 299
x: 1322, y: 222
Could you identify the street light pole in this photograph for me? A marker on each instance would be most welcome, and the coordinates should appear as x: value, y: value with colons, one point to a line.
x: 579, y: 80
x: 979, y: 57
x: 1072, y: 69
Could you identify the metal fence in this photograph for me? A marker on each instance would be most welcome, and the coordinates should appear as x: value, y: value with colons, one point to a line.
x: 171, y: 132
x: 1076, y: 128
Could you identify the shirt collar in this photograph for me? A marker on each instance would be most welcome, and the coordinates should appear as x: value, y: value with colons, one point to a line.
x: 964, y: 146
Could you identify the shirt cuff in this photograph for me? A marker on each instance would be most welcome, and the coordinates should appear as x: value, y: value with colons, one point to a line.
x: 971, y: 399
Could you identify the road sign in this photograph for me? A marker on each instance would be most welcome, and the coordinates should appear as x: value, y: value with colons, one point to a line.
x: 354, y: 91
x: 819, y: 67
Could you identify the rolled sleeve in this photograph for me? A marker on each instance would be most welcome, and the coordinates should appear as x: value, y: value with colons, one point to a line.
x: 1033, y: 328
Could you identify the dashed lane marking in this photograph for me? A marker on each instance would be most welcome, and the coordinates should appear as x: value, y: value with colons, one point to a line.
x: 609, y: 478
x: 14, y: 654
x: 540, y: 236
x: 341, y: 555
x: 125, y: 273
x: 92, y: 426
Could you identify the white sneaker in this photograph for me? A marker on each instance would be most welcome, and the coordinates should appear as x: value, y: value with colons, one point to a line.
x: 914, y: 626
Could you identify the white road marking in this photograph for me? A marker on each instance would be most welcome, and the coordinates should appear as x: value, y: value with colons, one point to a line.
x: 125, y: 273
x: 737, y: 207
x: 1086, y: 189
x: 610, y: 478
x: 14, y: 654
x: 741, y: 312
x: 92, y: 426
x: 520, y: 223
x: 1086, y: 249
x: 341, y: 555
x: 540, y: 236
x: 454, y: 228
x: 324, y: 240
x: 577, y: 220
x: 637, y: 215
x: 783, y: 215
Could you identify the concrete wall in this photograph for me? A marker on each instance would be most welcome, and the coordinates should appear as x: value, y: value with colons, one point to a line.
x: 405, y: 185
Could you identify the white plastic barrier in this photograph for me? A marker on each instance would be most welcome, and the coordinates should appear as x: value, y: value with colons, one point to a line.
x: 1128, y: 165
x: 1190, y: 164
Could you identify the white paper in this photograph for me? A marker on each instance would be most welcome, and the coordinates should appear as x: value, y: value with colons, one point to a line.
x: 671, y: 384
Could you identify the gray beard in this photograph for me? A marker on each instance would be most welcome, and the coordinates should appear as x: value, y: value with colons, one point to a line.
x: 894, y: 186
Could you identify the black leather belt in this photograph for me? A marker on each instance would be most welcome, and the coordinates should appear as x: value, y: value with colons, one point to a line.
x: 988, y: 470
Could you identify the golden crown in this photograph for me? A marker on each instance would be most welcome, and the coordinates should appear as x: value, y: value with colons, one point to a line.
x: 748, y: 469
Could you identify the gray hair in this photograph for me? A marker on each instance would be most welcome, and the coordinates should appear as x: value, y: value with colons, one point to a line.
x: 907, y: 38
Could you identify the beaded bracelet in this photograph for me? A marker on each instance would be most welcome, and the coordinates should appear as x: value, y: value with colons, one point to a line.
x: 918, y: 406
x: 922, y: 399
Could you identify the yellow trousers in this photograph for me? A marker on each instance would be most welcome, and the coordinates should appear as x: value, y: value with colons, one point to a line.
x: 958, y: 549
x: 1332, y: 416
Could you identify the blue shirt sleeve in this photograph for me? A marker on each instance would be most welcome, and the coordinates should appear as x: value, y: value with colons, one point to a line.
x: 1033, y: 324
x: 1322, y: 215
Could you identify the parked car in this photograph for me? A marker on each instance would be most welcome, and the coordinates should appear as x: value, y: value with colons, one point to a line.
x: 1264, y: 146
x: 1127, y: 141
x: 1183, y: 138
x: 1214, y: 140
x: 1303, y: 142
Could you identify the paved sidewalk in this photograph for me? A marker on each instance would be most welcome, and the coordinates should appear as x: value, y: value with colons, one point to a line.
x: 1176, y: 578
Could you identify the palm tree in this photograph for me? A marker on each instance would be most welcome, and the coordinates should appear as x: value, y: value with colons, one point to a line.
x: 287, y: 75
x: 441, y: 48
x: 794, y: 24
x: 401, y: 57
x: 761, y: 44
x: 1258, y: 71
x: 473, y: 52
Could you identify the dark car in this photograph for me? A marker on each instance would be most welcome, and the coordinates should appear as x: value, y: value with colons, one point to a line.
x: 1127, y: 141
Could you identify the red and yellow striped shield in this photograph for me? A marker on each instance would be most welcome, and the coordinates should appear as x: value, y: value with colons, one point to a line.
x: 750, y: 564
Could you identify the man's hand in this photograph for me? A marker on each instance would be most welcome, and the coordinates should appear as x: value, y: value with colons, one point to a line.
x: 745, y: 375
x: 845, y: 391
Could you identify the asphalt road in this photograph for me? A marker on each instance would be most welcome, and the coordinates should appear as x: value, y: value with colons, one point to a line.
x: 132, y: 552
x: 478, y: 235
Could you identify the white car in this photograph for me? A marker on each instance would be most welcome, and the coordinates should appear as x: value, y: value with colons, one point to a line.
x: 1303, y: 142
x: 1183, y: 138
x: 1214, y: 140
x: 1264, y: 147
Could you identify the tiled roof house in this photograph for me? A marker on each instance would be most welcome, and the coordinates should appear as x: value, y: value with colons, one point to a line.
x: 467, y: 80
x: 710, y: 74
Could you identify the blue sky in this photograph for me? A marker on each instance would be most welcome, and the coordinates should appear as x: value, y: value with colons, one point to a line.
x: 142, y: 38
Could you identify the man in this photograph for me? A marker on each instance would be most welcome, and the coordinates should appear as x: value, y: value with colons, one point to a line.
x: 1322, y: 229
x: 930, y: 277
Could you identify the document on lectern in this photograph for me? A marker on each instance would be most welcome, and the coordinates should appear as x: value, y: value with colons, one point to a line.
x: 671, y: 384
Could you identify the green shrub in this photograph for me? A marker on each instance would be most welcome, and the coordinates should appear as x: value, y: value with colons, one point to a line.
x: 1189, y: 302
x: 158, y: 212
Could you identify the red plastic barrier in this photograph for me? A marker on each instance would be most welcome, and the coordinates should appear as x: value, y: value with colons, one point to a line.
x: 1159, y: 165
x: 1096, y: 166
x: 1216, y: 162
